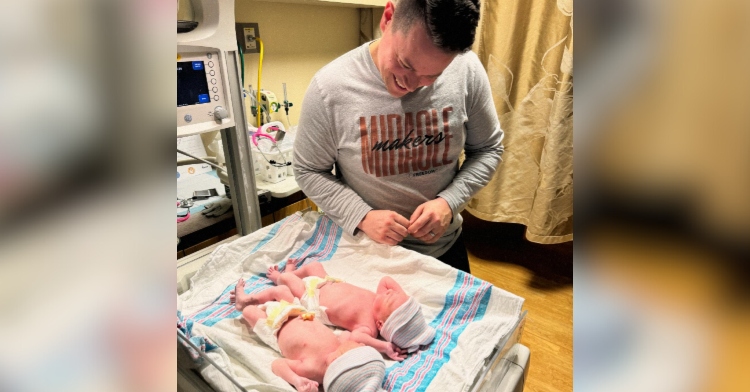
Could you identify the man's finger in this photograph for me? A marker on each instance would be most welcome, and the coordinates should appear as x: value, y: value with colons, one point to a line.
x: 416, y: 214
x: 420, y: 227
x: 401, y: 220
x: 390, y: 240
x: 395, y: 236
x: 429, y: 237
x: 399, y: 229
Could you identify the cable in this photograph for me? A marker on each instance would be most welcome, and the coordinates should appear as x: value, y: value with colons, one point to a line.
x: 260, y: 72
x: 260, y: 106
x: 200, y: 159
x: 183, y: 218
x: 288, y: 120
x: 242, y: 62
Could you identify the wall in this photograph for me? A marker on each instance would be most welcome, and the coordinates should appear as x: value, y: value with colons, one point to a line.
x: 299, y: 39
x: 369, y: 19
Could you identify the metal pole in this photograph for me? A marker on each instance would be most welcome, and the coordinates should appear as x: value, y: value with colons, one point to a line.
x: 238, y: 157
x: 200, y: 159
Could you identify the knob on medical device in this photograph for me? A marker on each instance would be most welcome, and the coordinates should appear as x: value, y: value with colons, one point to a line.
x: 220, y: 114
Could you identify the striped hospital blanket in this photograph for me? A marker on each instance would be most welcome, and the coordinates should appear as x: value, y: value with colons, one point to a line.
x: 470, y: 315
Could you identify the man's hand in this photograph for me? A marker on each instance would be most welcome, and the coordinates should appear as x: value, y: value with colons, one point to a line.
x: 384, y: 226
x: 430, y: 220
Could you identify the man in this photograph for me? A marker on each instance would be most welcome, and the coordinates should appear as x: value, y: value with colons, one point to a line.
x: 393, y: 116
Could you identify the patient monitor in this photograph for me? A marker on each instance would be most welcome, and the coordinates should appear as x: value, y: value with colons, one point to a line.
x: 203, y: 69
x: 209, y: 96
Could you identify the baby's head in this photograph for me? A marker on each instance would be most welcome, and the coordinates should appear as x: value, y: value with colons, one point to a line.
x: 399, y: 317
x: 388, y: 297
x: 358, y: 368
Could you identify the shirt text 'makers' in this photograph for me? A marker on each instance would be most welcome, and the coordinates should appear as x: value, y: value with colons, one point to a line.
x: 405, y: 143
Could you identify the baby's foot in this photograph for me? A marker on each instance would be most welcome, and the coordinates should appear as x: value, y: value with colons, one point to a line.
x: 238, y: 296
x: 232, y: 298
x: 290, y: 267
x: 273, y: 273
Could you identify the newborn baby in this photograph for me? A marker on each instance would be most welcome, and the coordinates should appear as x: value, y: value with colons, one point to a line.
x: 389, y: 310
x: 313, y: 354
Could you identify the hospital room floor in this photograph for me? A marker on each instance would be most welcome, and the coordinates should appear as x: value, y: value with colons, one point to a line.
x: 543, y: 275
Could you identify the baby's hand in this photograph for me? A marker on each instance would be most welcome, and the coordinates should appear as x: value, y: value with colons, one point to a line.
x: 395, y: 353
x: 306, y: 385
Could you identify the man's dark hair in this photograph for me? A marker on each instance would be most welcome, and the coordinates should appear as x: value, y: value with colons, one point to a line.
x: 451, y: 24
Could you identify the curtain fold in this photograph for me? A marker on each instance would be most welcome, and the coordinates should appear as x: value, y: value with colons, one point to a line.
x: 526, y: 47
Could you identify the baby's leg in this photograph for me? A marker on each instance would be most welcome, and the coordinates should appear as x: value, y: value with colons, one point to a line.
x: 275, y: 293
x: 310, y: 269
x: 288, y: 279
x: 294, y: 283
x: 252, y: 314
x: 242, y: 300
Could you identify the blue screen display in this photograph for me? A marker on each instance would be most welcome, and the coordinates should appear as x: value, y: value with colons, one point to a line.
x: 192, y: 84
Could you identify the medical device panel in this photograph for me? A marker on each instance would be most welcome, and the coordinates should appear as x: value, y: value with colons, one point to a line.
x: 209, y: 98
x: 207, y: 66
x: 201, y: 93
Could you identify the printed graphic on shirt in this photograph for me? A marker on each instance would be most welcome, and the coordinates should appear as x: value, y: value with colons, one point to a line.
x: 413, y: 143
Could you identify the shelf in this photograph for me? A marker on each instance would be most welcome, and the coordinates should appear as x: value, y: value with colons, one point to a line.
x: 280, y: 189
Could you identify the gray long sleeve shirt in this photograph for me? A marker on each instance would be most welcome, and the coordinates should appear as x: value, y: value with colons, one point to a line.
x: 396, y: 153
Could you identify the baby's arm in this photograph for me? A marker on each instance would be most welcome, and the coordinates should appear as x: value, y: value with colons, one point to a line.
x: 388, y: 283
x: 282, y: 367
x: 364, y: 336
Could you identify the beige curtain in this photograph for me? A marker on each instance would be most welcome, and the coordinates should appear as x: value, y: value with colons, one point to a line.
x: 526, y: 47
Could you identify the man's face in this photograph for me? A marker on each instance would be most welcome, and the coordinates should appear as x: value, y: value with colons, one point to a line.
x: 409, y: 60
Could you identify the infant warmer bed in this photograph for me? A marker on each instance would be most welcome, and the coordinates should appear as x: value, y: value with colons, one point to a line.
x: 478, y: 326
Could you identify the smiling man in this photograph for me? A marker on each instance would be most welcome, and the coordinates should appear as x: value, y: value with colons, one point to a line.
x: 392, y: 117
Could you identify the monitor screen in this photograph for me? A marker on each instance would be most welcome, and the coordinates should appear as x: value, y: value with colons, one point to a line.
x: 192, y: 86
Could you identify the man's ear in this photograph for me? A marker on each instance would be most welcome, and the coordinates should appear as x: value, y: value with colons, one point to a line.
x: 387, y: 17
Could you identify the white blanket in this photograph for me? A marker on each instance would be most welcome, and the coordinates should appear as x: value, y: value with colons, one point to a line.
x: 470, y: 315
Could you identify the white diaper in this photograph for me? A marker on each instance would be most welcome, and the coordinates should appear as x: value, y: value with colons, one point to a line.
x: 277, y: 313
x: 311, y: 298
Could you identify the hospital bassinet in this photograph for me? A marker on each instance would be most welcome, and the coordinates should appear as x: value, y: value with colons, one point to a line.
x: 478, y: 325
